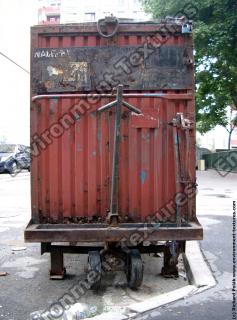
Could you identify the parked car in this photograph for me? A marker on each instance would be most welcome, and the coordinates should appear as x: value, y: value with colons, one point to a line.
x: 14, y: 157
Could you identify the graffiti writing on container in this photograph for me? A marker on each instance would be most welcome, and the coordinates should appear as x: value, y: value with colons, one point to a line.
x: 52, y: 53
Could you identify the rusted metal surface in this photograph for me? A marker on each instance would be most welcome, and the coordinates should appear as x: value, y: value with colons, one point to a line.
x: 72, y: 176
x: 113, y: 215
x: 90, y: 29
x: 84, y: 249
x: 182, y: 129
x: 172, y: 250
x: 136, y: 67
x: 121, y: 233
x: 57, y: 270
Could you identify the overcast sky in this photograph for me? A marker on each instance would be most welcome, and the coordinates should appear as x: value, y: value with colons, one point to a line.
x: 16, y: 17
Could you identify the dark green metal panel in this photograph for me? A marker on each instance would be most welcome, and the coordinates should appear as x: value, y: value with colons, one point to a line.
x: 222, y: 161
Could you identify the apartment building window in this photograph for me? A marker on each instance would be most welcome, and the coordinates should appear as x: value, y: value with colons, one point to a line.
x: 55, y: 18
x: 54, y: 3
x: 89, y: 16
x: 121, y: 3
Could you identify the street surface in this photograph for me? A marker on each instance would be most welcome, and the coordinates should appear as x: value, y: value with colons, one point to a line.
x: 214, y: 207
x: 27, y: 287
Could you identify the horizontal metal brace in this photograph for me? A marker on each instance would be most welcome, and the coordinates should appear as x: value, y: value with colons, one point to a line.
x: 131, y: 108
x: 168, y: 96
x: 71, y: 249
x: 105, y: 233
x: 126, y: 104
x: 107, y: 106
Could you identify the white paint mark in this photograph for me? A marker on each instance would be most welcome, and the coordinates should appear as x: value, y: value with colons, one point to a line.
x: 53, y: 53
x: 18, y: 248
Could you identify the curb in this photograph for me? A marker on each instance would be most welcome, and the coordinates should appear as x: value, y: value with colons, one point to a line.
x: 198, y: 272
x: 156, y: 302
x: 199, y: 276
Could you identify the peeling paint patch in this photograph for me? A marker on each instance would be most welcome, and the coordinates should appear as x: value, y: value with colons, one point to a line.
x: 175, y: 140
x: 146, y: 136
x: 99, y: 135
x: 143, y: 175
x: 55, y: 101
x: 52, y: 71
x: 79, y: 148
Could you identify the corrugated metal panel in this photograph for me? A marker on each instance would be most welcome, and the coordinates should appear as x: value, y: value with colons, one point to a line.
x: 71, y: 177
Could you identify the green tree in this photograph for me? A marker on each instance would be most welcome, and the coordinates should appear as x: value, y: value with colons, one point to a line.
x: 215, y: 42
x: 231, y: 124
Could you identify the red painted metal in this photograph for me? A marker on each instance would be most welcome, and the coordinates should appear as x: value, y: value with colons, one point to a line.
x: 71, y: 177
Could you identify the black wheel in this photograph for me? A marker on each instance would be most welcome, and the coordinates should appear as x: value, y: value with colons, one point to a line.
x: 13, y: 168
x: 94, y: 264
x: 134, y: 269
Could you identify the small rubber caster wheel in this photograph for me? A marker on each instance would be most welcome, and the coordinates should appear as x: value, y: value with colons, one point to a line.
x: 94, y: 264
x: 134, y: 270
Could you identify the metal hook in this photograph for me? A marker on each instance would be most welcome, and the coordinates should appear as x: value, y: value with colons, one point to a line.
x: 111, y: 20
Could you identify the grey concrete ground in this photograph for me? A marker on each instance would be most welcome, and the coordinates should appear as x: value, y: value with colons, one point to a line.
x: 27, y: 288
x: 214, y: 206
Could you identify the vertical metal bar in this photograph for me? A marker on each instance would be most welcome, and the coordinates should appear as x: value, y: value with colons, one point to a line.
x: 57, y: 270
x: 189, y: 176
x: 177, y: 172
x: 115, y: 167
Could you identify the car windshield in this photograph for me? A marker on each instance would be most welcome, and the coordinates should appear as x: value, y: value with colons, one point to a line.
x: 7, y: 148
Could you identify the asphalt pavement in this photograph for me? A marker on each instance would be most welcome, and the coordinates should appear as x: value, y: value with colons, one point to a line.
x: 27, y: 287
x: 215, y: 212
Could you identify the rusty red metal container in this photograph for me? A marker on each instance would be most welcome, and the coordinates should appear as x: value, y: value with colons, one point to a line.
x: 75, y: 70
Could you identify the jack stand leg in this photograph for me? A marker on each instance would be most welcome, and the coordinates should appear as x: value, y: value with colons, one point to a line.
x: 57, y: 271
x: 113, y: 219
x: 171, y: 255
x: 113, y: 216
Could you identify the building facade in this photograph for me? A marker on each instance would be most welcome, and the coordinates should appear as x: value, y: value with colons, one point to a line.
x: 73, y: 11
x: 49, y: 11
